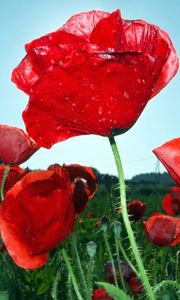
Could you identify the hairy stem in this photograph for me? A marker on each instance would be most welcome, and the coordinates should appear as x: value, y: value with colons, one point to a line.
x: 111, y: 257
x: 70, y: 271
x: 122, y: 190
x: 74, y: 244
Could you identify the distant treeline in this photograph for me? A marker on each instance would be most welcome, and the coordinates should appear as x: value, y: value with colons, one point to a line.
x: 145, y: 177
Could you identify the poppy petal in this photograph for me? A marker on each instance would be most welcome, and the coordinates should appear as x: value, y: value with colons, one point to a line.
x: 84, y: 183
x: 169, y: 155
x: 16, y: 147
x: 36, y: 215
x: 115, y: 37
x: 163, y: 230
x: 85, y: 173
x: 167, y: 204
x: 82, y: 24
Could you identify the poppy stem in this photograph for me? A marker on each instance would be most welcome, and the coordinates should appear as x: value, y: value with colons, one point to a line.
x: 111, y: 257
x: 127, y: 259
x: 74, y: 244
x: 71, y: 273
x: 55, y: 286
x: 90, y: 275
x: 122, y: 190
x: 6, y: 172
x: 120, y: 265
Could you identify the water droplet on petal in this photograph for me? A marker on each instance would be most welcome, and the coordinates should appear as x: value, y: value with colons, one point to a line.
x: 67, y: 98
x: 100, y: 110
x: 126, y: 95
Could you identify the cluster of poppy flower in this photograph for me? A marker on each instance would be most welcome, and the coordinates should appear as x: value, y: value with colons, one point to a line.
x: 81, y: 81
x: 39, y: 207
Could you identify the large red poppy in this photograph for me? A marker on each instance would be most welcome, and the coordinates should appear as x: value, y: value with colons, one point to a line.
x: 94, y: 75
x: 171, y: 201
x: 163, y: 230
x: 15, y: 146
x: 84, y: 184
x: 36, y: 215
x: 169, y: 155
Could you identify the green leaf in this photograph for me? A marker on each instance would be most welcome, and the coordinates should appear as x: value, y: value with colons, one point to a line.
x: 4, y: 296
x: 165, y: 283
x: 42, y: 288
x: 113, y: 291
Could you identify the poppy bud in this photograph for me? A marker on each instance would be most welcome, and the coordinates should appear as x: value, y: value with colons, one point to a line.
x: 91, y: 249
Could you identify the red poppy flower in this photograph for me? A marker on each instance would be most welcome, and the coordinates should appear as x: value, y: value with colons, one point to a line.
x: 82, y: 81
x: 14, y: 175
x: 163, y: 230
x: 84, y: 182
x: 171, y: 201
x: 127, y: 271
x: 135, y: 285
x: 16, y: 146
x: 169, y: 155
x: 136, y: 210
x: 101, y: 294
x: 36, y: 215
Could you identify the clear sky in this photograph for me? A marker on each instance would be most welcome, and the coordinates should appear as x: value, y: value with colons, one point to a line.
x: 22, y: 21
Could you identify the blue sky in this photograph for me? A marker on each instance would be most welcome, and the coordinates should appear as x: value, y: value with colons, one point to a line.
x: 21, y: 21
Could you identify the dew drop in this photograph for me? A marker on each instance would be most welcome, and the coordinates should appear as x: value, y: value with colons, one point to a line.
x: 67, y: 98
x: 93, y: 98
x: 100, y: 110
x: 126, y: 95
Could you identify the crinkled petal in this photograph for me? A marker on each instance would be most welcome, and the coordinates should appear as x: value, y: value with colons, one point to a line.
x: 169, y: 155
x: 16, y: 146
x: 109, y: 33
x: 24, y: 75
x: 74, y: 101
x: 150, y: 39
x: 82, y: 24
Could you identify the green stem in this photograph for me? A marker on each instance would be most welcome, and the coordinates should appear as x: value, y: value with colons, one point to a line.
x: 70, y: 296
x: 177, y: 265
x: 6, y: 172
x: 122, y: 190
x: 110, y: 203
x: 55, y: 286
x: 120, y: 265
x: 70, y: 270
x: 127, y: 259
x: 89, y: 276
x: 111, y: 257
x: 74, y: 244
